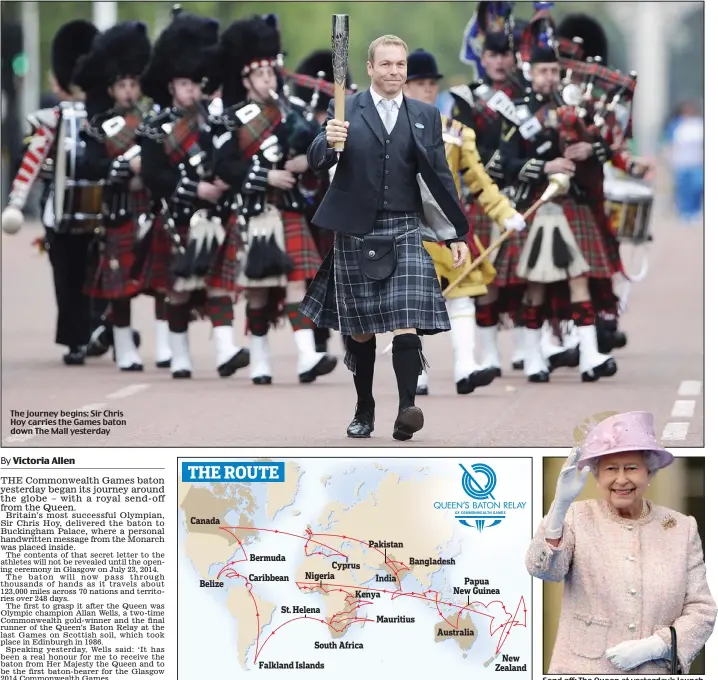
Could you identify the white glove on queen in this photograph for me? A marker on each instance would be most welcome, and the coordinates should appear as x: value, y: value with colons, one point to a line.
x: 627, y: 655
x: 515, y: 223
x: 569, y: 486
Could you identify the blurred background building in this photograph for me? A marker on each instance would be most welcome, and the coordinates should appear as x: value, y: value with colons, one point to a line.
x: 663, y: 41
x: 680, y: 487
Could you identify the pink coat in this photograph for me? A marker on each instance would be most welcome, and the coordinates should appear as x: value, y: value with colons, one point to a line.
x: 625, y: 580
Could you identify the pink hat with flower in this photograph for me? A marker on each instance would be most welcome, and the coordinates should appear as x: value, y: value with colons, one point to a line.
x: 624, y: 432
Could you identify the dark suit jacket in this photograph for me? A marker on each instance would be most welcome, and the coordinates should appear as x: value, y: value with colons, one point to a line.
x: 348, y: 205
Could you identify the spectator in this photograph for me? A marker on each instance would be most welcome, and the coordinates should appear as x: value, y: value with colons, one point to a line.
x: 685, y: 136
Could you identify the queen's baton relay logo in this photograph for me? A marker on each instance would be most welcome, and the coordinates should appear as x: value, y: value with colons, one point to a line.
x: 484, y: 510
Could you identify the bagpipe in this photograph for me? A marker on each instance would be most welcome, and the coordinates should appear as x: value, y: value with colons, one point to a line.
x: 318, y: 86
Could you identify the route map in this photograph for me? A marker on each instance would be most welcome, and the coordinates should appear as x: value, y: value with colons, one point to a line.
x: 353, y: 566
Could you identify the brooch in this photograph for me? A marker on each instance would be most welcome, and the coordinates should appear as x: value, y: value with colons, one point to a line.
x: 668, y: 522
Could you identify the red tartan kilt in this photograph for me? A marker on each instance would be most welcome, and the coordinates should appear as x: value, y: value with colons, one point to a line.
x: 507, y: 261
x: 155, y: 275
x: 109, y: 277
x: 589, y: 238
x: 224, y: 271
x: 482, y: 224
x: 300, y: 247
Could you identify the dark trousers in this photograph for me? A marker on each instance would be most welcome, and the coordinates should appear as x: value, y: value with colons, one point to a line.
x: 68, y: 257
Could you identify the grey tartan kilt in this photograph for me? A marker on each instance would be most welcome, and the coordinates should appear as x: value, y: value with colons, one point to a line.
x: 342, y: 298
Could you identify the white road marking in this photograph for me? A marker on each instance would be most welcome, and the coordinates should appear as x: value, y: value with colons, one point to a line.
x: 690, y: 388
x: 675, y: 432
x: 683, y: 408
x: 93, y: 407
x: 128, y: 391
x: 18, y: 438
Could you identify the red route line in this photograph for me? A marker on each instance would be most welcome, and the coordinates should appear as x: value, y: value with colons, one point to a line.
x: 357, y: 603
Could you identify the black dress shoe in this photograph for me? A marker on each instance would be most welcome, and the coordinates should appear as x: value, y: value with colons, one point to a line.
x: 422, y: 391
x: 480, y: 378
x: 239, y: 360
x: 409, y: 421
x: 325, y: 366
x: 262, y: 380
x: 540, y: 377
x: 362, y: 426
x: 568, y: 358
x: 74, y: 357
x: 181, y: 375
x: 517, y: 365
x: 133, y: 367
x: 497, y: 371
x: 607, y: 369
x: 620, y: 339
x: 163, y: 364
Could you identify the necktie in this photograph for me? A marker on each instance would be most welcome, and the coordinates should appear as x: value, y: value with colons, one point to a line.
x: 387, y: 117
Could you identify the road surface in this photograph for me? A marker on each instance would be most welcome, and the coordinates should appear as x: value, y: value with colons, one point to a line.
x: 660, y: 370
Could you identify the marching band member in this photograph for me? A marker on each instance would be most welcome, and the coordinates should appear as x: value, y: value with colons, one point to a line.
x: 67, y: 237
x: 564, y: 242
x: 422, y: 83
x: 109, y: 76
x: 199, y: 262
x: 594, y: 43
x: 261, y: 153
x: 498, y: 65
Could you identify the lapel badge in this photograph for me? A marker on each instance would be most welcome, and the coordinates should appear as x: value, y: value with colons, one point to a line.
x: 668, y: 522
x: 419, y: 125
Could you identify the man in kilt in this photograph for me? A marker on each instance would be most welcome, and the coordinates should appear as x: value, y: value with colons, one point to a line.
x: 260, y: 153
x: 109, y: 76
x: 314, y: 185
x: 392, y: 179
x: 564, y: 242
x: 496, y: 64
x: 194, y: 241
x: 422, y: 84
x: 594, y: 43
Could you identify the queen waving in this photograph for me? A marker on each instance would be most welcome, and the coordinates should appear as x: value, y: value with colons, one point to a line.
x: 631, y: 569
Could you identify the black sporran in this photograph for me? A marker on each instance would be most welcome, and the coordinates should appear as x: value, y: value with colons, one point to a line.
x: 379, y: 257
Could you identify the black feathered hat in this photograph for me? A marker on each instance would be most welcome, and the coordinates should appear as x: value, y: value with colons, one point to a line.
x: 496, y: 42
x: 595, y: 42
x: 72, y: 41
x: 245, y: 45
x: 422, y: 64
x: 321, y: 60
x: 183, y: 50
x: 122, y: 51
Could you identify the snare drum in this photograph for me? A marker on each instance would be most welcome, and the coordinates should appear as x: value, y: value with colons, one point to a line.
x: 78, y: 200
x: 628, y: 205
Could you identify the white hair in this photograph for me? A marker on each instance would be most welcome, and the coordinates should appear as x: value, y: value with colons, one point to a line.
x: 650, y: 458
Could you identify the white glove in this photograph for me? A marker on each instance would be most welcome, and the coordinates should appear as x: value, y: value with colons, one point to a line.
x: 515, y: 223
x: 570, y: 484
x: 632, y: 653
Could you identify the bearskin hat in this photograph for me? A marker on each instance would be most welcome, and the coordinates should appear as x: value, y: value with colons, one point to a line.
x: 72, y: 41
x: 122, y: 51
x: 245, y: 45
x: 595, y: 42
x: 320, y: 60
x: 183, y: 50
x: 494, y: 17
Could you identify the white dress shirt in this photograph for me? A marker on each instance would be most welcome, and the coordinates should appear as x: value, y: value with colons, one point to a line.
x: 388, y: 109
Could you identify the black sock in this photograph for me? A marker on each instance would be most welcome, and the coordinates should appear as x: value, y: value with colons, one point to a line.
x: 408, y: 363
x: 364, y: 357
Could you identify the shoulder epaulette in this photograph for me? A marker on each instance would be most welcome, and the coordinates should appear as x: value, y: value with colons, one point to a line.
x: 239, y: 114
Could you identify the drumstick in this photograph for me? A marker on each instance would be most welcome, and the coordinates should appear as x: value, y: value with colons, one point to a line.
x: 340, y: 64
x: 558, y: 184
